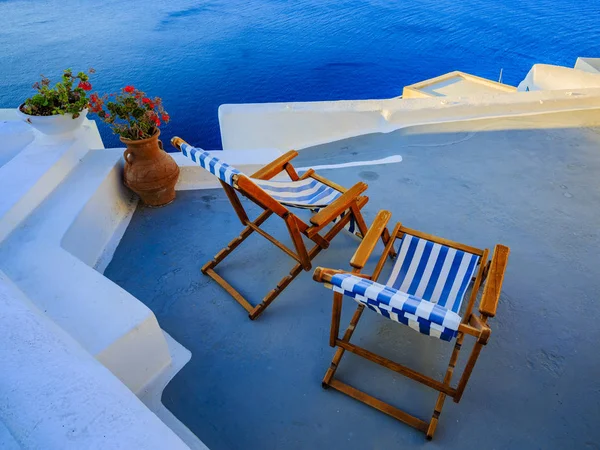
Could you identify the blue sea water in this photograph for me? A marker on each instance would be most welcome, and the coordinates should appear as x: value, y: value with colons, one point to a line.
x: 197, y: 55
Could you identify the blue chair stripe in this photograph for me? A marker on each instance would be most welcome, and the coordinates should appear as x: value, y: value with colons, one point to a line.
x: 421, y: 268
x: 435, y: 275
x: 465, y: 282
x: 327, y: 191
x: 412, y: 246
x: 301, y: 196
x: 433, y: 272
x: 210, y: 163
x: 419, y: 314
x: 286, y: 186
x: 451, y: 278
x: 307, y: 194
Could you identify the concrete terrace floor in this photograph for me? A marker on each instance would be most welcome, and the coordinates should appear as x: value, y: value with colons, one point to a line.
x: 256, y: 385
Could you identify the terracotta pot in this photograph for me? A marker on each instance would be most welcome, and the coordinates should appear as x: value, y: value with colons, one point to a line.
x: 149, y: 171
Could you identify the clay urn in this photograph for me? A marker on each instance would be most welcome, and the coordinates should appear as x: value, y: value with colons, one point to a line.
x: 149, y: 171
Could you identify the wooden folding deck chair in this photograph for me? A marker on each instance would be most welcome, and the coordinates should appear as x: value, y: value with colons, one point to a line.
x: 425, y: 291
x: 336, y: 206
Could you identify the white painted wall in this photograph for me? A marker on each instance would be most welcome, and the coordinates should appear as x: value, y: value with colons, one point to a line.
x: 55, y: 395
x: 36, y: 166
x: 546, y: 77
x: 284, y: 126
x: 62, y: 215
x: 591, y: 65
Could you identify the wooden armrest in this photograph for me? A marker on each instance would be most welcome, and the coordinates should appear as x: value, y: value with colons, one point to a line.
x: 477, y: 328
x: 493, y: 285
x: 275, y: 167
x: 177, y: 142
x: 326, y: 182
x: 338, y: 206
x: 323, y: 274
x: 366, y: 247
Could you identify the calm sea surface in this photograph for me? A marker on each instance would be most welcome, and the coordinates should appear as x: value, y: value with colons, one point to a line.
x: 200, y: 54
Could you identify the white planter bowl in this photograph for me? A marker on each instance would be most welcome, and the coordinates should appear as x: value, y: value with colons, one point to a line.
x: 54, y: 125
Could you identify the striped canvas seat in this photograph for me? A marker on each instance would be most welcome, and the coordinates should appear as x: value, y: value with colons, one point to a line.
x: 433, y: 272
x: 425, y: 289
x: 307, y: 194
x: 214, y: 165
x: 421, y: 315
x: 337, y: 209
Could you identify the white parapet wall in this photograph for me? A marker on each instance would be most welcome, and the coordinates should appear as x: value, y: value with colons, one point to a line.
x: 284, y: 126
x: 55, y: 396
x: 63, y: 213
x: 591, y: 65
x: 546, y: 77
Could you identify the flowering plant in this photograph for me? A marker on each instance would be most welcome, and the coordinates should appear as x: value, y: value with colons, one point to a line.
x: 130, y: 113
x: 63, y: 98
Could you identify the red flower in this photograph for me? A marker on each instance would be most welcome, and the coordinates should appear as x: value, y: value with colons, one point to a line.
x: 85, y: 85
x: 165, y: 117
x: 128, y: 89
x: 94, y: 98
x: 148, y: 102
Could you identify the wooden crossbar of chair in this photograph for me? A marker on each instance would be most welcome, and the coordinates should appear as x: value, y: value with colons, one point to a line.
x: 490, y: 274
x: 350, y: 202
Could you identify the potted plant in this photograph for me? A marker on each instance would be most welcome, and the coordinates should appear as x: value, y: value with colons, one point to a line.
x: 149, y: 171
x: 59, y: 109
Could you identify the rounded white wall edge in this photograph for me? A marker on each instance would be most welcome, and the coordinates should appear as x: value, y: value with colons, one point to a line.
x: 55, y: 395
x: 549, y: 77
x: 306, y: 124
x: 66, y: 219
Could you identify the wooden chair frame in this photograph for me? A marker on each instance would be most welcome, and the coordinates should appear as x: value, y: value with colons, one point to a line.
x: 472, y: 324
x: 350, y: 202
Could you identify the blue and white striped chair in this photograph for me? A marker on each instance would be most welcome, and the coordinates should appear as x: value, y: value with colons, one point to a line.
x: 336, y: 208
x: 425, y: 291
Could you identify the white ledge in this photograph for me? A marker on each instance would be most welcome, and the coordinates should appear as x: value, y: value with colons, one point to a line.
x: 300, y: 125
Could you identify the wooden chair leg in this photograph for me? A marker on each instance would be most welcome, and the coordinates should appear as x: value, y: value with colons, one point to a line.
x: 296, y: 270
x: 464, y: 379
x: 358, y: 218
x: 272, y: 295
x: 362, y: 226
x: 439, y: 404
x: 322, y: 242
x: 444, y: 387
x: 339, y: 353
x: 385, y: 237
x: 235, y: 242
x: 336, y: 314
